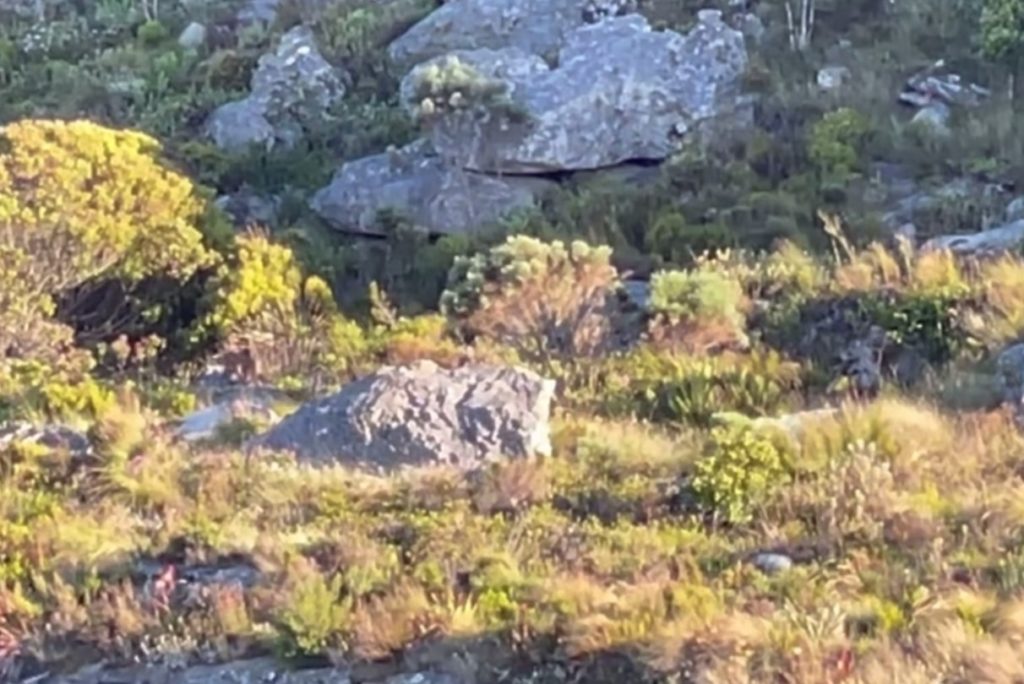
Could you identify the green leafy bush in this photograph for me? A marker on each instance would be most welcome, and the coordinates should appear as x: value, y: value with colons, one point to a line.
x: 696, y: 295
x: 742, y: 468
x: 313, y: 616
x: 836, y: 142
x: 674, y: 388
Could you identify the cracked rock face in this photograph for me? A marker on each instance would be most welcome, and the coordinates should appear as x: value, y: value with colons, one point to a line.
x: 293, y: 88
x: 620, y: 92
x: 421, y: 414
x: 415, y: 183
x: 535, y: 26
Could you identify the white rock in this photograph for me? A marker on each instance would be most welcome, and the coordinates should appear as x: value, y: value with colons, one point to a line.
x: 193, y: 37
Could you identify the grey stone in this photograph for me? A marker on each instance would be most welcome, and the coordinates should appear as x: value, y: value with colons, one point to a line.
x: 1015, y: 210
x: 421, y: 414
x: 236, y: 126
x: 598, y: 10
x: 416, y: 184
x: 906, y: 208
x: 535, y: 26
x: 252, y: 671
x: 793, y: 425
x: 425, y: 678
x: 1010, y: 369
x: 638, y: 292
x: 620, y: 92
x: 193, y: 37
x: 861, y: 363
x: 751, y: 26
x: 1001, y: 239
x: 833, y: 77
x: 204, y: 423
x: 258, y: 12
x: 55, y: 437
x: 937, y: 84
x: 772, y: 563
x: 247, y: 208
x: 935, y: 118
x: 292, y: 88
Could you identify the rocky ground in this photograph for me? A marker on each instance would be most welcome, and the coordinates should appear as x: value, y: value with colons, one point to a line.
x: 410, y: 342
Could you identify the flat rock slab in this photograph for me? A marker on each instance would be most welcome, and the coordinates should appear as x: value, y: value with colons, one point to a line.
x: 421, y: 414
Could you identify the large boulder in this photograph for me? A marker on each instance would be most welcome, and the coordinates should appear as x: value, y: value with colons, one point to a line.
x: 421, y: 414
x: 292, y: 89
x: 536, y: 26
x: 1001, y: 239
x: 621, y: 92
x: 416, y: 184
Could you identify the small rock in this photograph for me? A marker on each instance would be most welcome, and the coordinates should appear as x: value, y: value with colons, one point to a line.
x: 56, y: 437
x: 751, y: 26
x: 1015, y: 210
x: 771, y: 563
x: 934, y: 117
x: 638, y: 292
x: 204, y: 423
x: 193, y: 37
x: 833, y: 77
x: 247, y: 208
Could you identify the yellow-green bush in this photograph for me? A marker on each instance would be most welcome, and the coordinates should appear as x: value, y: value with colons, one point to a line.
x: 741, y: 470
x: 290, y: 321
x: 82, y: 202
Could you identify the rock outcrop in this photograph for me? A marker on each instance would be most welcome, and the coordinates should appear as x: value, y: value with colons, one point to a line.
x: 620, y: 92
x: 415, y: 183
x: 535, y: 26
x: 420, y: 415
x: 292, y: 89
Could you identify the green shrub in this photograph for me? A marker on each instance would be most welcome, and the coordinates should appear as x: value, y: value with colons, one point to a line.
x: 836, y: 143
x: 152, y: 33
x: 684, y: 389
x: 742, y: 468
x: 696, y: 295
x: 290, y: 321
x: 313, y: 615
x: 677, y: 240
